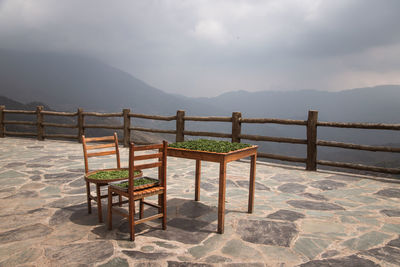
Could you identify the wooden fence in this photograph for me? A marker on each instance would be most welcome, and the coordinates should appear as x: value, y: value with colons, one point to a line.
x: 236, y: 120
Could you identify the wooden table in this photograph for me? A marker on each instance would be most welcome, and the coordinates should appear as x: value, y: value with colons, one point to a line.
x: 222, y: 159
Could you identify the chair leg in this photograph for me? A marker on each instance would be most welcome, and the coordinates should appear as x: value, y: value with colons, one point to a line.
x: 109, y: 209
x: 120, y: 200
x: 160, y: 199
x: 98, y: 199
x: 132, y: 218
x: 89, y: 200
x: 164, y: 211
x: 141, y: 207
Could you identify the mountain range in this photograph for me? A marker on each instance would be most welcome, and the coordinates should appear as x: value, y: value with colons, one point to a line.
x: 371, y: 104
x: 69, y: 81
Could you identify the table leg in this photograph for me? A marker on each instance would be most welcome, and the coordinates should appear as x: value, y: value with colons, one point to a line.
x: 197, y: 183
x: 98, y: 199
x: 252, y: 182
x: 221, y: 197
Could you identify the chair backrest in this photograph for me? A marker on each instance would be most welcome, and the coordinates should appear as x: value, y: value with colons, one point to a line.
x: 160, y: 156
x: 113, y: 145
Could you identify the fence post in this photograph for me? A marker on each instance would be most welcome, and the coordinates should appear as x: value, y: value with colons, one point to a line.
x: 127, y: 126
x: 2, y: 128
x: 39, y: 123
x: 81, y: 130
x: 180, y: 126
x: 311, y: 164
x: 236, y: 126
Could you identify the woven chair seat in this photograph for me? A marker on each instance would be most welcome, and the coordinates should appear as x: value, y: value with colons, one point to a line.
x: 139, y: 183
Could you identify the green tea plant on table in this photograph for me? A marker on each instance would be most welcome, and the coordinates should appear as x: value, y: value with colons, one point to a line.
x: 209, y: 145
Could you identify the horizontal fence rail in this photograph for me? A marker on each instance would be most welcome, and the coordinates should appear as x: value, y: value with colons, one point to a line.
x: 61, y: 125
x: 67, y: 136
x: 103, y: 126
x: 236, y: 121
x: 97, y: 114
x: 273, y: 139
x: 358, y: 167
x: 55, y: 113
x: 208, y: 134
x: 153, y: 117
x: 20, y: 133
x: 358, y: 147
x: 377, y: 126
x: 276, y: 121
x: 149, y: 130
x: 20, y: 122
x: 281, y: 157
x: 19, y: 111
x: 215, y: 119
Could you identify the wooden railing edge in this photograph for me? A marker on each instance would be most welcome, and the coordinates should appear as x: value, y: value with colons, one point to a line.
x: 376, y: 126
x: 236, y: 120
x: 359, y: 166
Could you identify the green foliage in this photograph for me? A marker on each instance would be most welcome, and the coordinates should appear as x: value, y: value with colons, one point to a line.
x: 138, y: 182
x: 109, y: 175
x: 210, y: 145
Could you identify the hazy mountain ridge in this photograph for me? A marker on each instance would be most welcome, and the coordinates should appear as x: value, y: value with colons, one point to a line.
x: 69, y: 81
x: 12, y: 104
x: 370, y: 104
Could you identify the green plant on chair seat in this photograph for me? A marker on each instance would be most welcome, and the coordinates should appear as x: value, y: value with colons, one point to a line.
x: 138, y: 182
x: 108, y: 175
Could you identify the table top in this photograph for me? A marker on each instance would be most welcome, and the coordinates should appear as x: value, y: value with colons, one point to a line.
x: 212, y: 156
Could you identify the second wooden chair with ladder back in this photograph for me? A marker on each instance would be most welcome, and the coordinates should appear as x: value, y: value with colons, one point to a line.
x: 102, y: 177
x: 143, y: 187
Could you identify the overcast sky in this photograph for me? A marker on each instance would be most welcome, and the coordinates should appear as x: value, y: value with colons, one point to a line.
x: 207, y: 47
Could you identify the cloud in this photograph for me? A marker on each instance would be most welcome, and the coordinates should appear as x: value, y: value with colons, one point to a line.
x: 208, y: 47
x: 212, y: 31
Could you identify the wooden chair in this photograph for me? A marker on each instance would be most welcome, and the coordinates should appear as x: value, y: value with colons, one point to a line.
x: 139, y: 192
x: 100, y: 182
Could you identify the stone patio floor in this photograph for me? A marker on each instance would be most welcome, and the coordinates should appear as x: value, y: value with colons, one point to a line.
x: 300, y: 218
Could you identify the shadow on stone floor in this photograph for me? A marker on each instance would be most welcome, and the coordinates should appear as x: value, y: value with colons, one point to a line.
x: 188, y: 222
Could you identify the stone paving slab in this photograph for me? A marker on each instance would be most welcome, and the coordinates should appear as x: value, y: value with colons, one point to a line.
x: 300, y: 218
